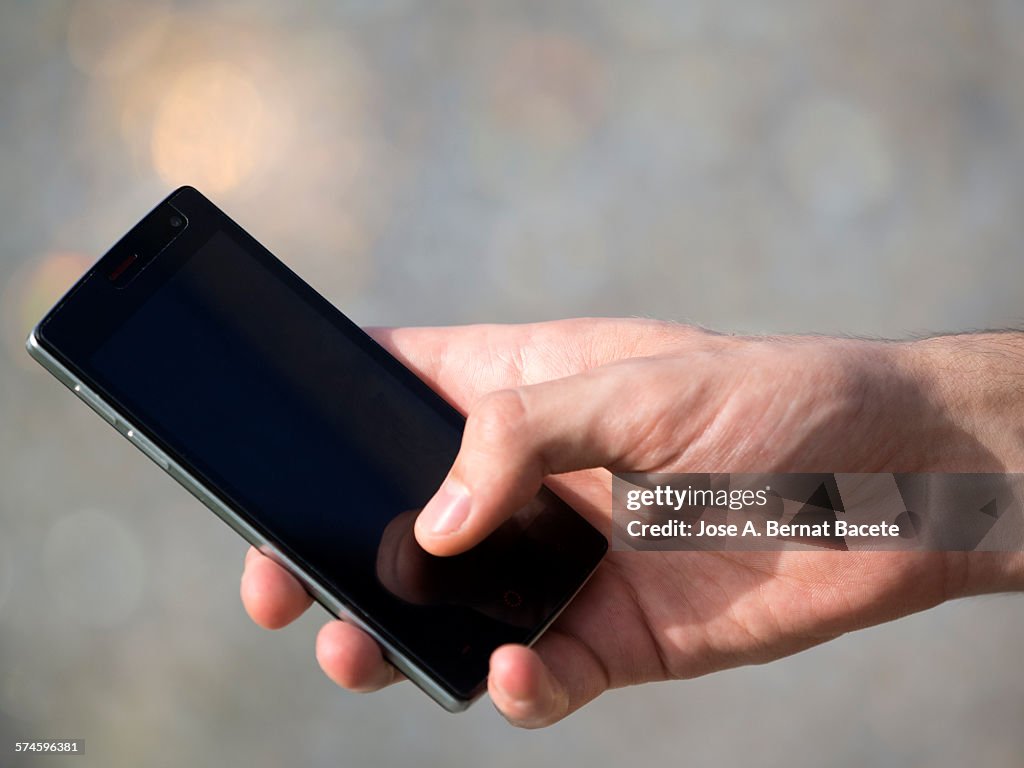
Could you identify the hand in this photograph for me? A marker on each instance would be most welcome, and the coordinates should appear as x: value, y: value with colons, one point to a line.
x: 566, y: 402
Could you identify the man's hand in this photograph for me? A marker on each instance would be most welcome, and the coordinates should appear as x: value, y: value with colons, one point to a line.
x: 568, y: 402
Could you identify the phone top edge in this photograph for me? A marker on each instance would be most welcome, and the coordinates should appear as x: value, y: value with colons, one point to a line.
x: 32, y: 344
x: 35, y: 349
x: 77, y: 285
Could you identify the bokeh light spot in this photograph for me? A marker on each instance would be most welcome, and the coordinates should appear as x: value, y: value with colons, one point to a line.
x: 210, y: 129
x: 32, y: 290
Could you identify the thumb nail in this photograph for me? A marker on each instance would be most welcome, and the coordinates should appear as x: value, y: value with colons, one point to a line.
x: 446, y: 512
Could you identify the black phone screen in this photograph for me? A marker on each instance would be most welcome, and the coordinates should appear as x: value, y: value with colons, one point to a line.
x: 324, y: 443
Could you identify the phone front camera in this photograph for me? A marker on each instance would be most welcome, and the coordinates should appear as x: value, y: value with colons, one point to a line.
x: 176, y: 221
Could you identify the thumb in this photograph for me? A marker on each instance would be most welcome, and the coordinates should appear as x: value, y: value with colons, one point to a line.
x: 513, y: 439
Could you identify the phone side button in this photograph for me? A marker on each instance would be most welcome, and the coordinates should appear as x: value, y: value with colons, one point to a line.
x: 190, y: 485
x: 94, y: 402
x: 148, y: 448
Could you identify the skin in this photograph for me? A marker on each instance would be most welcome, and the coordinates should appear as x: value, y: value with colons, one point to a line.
x: 568, y: 402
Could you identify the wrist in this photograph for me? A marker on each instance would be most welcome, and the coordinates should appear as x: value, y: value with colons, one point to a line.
x: 975, y: 384
x: 977, y: 380
x: 981, y: 573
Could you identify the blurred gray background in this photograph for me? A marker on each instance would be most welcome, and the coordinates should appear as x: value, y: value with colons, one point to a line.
x: 792, y: 166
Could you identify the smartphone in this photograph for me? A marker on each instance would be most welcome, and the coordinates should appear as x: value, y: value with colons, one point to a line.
x: 308, y: 438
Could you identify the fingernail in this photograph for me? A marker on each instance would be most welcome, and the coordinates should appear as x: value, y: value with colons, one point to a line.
x: 518, y: 700
x: 448, y: 510
x: 532, y: 704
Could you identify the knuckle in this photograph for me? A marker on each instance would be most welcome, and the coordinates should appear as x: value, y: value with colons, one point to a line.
x: 497, y: 418
x: 644, y: 337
